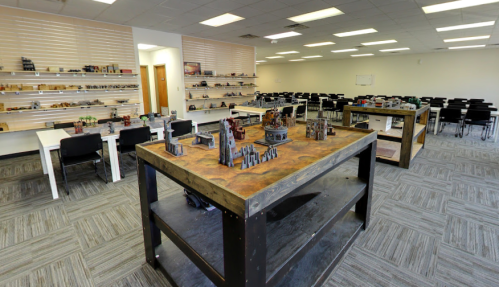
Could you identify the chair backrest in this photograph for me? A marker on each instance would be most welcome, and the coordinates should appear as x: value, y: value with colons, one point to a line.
x: 476, y: 100
x: 181, y: 128
x: 63, y: 125
x: 333, y: 96
x: 268, y: 99
x: 287, y: 111
x: 131, y: 137
x: 436, y: 104
x: 457, y: 106
x: 461, y: 99
x: 449, y: 114
x: 475, y: 106
x: 81, y: 145
x: 156, y: 115
x: 315, y: 98
x: 341, y: 105
x: 440, y: 98
x: 300, y: 110
x: 327, y: 105
x: 477, y: 115
x: 114, y: 120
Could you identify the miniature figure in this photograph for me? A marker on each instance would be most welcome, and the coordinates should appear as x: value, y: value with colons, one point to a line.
x: 126, y: 121
x: 111, y: 127
x: 204, y: 139
x: 144, y: 119
x: 330, y: 130
x: 289, y: 121
x: 275, y: 132
x: 172, y: 146
x: 35, y: 105
x: 78, y: 127
x: 317, y: 129
x: 238, y: 131
x: 151, y: 117
x: 173, y: 117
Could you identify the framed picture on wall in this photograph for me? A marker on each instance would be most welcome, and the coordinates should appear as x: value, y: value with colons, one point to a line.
x: 192, y: 68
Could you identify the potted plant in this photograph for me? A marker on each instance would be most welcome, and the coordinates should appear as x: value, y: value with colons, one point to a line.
x: 144, y: 119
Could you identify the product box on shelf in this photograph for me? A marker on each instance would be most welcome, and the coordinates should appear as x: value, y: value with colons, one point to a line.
x: 126, y: 71
x: 380, y: 123
x: 27, y: 88
x: 53, y: 69
x: 43, y: 87
x: 2, y: 107
x: 4, y: 127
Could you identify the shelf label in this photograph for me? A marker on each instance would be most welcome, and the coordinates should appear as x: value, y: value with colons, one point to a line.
x: 107, y: 91
x: 86, y: 91
x: 78, y: 92
x: 119, y: 76
x: 3, y: 93
x: 121, y: 90
x: 134, y: 76
x: 40, y: 92
x: 20, y: 112
x: 17, y: 93
x: 37, y: 74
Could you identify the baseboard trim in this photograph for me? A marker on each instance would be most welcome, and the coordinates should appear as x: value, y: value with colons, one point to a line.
x: 19, y: 154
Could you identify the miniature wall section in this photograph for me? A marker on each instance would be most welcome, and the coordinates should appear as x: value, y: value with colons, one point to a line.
x: 223, y: 59
x: 56, y: 41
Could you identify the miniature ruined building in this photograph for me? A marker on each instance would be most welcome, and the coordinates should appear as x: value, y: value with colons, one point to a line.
x: 275, y: 132
x: 238, y: 131
x: 172, y: 145
x: 204, y: 138
x: 317, y: 129
x: 289, y: 121
x: 228, y: 150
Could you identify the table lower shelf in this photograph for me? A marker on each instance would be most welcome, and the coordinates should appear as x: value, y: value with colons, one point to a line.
x: 289, y: 240
x: 390, y: 145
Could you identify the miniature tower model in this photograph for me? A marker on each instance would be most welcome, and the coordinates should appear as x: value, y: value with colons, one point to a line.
x: 227, y: 144
x: 172, y: 145
x: 317, y: 129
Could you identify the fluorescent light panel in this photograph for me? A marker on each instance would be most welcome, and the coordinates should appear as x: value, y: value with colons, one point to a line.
x: 282, y: 35
x: 221, y: 20
x: 466, y: 47
x: 466, y: 26
x: 455, y: 5
x: 396, y: 49
x: 319, y: 44
x: 297, y: 60
x: 145, y: 46
x: 355, y: 33
x: 467, y: 39
x: 106, y: 1
x: 362, y: 55
x: 309, y: 57
x: 317, y: 15
x: 288, y: 52
x: 379, y: 42
x: 275, y: 57
x: 345, y: 50
x: 261, y: 61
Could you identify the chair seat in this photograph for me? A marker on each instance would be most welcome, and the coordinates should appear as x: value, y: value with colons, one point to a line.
x: 81, y: 159
x: 477, y: 123
x: 127, y: 148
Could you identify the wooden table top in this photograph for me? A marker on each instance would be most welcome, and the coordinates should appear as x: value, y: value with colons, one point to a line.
x: 297, y: 161
x: 387, y: 111
x: 260, y: 110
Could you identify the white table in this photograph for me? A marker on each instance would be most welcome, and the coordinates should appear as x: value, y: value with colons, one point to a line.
x: 260, y: 111
x: 320, y: 100
x: 492, y: 114
x: 51, y: 140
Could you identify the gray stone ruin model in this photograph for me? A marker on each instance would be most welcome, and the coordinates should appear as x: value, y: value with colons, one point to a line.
x: 262, y: 104
x: 172, y: 145
x: 204, y: 138
x: 173, y: 116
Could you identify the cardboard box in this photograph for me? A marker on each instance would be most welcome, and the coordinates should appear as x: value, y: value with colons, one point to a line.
x: 2, y: 107
x: 53, y: 69
x: 380, y: 123
x: 27, y: 88
x: 43, y: 87
x: 4, y: 127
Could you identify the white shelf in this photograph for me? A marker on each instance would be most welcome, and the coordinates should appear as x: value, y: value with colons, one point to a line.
x: 219, y: 77
x: 213, y: 109
x: 219, y: 88
x: 218, y: 98
x: 68, y: 108
x: 76, y: 73
x: 59, y: 91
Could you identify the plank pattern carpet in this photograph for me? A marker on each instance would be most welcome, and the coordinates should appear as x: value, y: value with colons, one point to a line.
x: 436, y: 224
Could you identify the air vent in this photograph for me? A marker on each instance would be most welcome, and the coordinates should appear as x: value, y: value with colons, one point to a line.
x: 494, y: 44
x: 360, y: 47
x: 437, y: 49
x: 296, y: 27
x: 249, y: 36
x: 394, y: 52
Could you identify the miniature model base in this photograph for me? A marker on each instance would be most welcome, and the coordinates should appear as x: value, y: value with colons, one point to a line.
x: 265, y: 143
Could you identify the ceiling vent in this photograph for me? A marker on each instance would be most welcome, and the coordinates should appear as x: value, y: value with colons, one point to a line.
x: 359, y: 47
x: 438, y: 49
x: 296, y: 27
x: 394, y: 52
x: 249, y: 36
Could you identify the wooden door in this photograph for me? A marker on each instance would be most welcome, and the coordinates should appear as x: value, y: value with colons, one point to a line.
x: 161, y: 85
x: 146, y: 93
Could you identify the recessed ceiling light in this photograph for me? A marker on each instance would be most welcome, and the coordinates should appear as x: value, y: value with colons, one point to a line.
x: 261, y: 61
x: 288, y: 52
x: 379, y: 42
x: 362, y: 55
x: 345, y: 50
x: 455, y: 5
x: 354, y: 33
x: 467, y: 39
x: 106, y: 1
x: 224, y: 19
x: 275, y: 57
x: 146, y: 46
x: 297, y: 60
x: 393, y: 50
x: 282, y: 35
x: 315, y: 56
x: 466, y: 47
x: 466, y: 26
x: 319, y: 44
x: 317, y: 15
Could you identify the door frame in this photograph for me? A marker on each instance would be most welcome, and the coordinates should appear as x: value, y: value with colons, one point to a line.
x: 148, y: 86
x: 158, y: 106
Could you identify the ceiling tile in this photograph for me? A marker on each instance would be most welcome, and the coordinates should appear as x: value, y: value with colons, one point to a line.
x: 43, y: 6
x: 246, y: 12
x: 224, y: 5
x: 179, y: 5
x: 268, y: 5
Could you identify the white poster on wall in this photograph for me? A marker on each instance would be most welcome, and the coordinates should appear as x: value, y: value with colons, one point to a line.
x: 365, y: 80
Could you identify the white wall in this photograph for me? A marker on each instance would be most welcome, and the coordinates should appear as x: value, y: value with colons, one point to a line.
x: 462, y: 74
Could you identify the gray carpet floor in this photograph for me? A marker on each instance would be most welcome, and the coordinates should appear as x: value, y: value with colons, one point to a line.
x: 436, y: 224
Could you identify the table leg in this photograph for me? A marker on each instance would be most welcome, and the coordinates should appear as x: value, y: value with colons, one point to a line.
x: 245, y: 249
x: 50, y: 171
x: 42, y: 158
x: 195, y: 127
x: 496, y: 129
x: 113, y: 159
x: 161, y: 134
x: 367, y: 160
x: 435, y: 128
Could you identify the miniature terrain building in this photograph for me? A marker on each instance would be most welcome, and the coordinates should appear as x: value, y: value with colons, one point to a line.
x: 173, y: 117
x: 228, y: 149
x: 238, y: 131
x: 204, y: 138
x: 330, y: 130
x: 289, y: 121
x: 317, y: 129
x: 252, y: 158
x: 275, y: 132
x: 172, y: 145
x: 320, y: 115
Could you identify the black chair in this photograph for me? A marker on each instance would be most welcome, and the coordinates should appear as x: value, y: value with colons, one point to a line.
x: 114, y: 120
x: 287, y: 111
x: 478, y: 118
x: 475, y: 106
x: 471, y: 101
x: 156, y: 115
x: 457, y: 106
x: 328, y: 106
x: 300, y: 111
x: 340, y: 105
x: 128, y: 139
x: 65, y: 125
x: 181, y: 127
x: 314, y: 102
x: 449, y: 115
x: 426, y: 99
x: 78, y: 150
x: 440, y: 98
x: 333, y: 96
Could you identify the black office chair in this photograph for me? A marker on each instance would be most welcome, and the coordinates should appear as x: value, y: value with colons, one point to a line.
x: 181, y: 127
x: 333, y: 96
x: 457, y: 106
x: 478, y: 118
x: 328, y: 106
x: 314, y: 102
x: 426, y: 99
x: 453, y: 116
x: 475, y: 106
x: 128, y: 139
x: 440, y: 98
x: 65, y: 125
x: 114, y: 120
x: 340, y: 105
x: 287, y: 111
x: 300, y: 111
x: 471, y: 101
x: 268, y: 99
x: 78, y: 150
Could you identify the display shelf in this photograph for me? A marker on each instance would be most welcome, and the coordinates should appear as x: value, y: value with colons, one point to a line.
x: 67, y: 108
x: 59, y: 91
x: 76, y: 73
x: 397, y: 132
x: 220, y: 77
x: 218, y: 98
x: 206, y: 110
x: 24, y: 130
x: 219, y: 88
x: 416, y: 149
